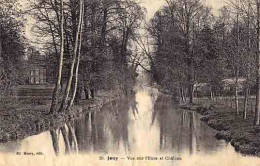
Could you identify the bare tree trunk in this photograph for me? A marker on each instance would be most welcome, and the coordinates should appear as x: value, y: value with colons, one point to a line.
x: 191, y: 58
x: 236, y: 95
x: 57, y: 90
x: 191, y: 88
x: 246, y: 100
x: 78, y: 61
x: 257, y: 104
x: 185, y: 94
x: 211, y: 94
x: 1, y: 44
x: 226, y: 98
x: 252, y: 107
x: 217, y: 95
x: 104, y: 27
x: 247, y: 63
x: 181, y: 97
x: 52, y: 34
x: 124, y: 45
x: 69, y: 82
x: 182, y: 94
x: 231, y: 101
x: 236, y: 67
x: 86, y: 92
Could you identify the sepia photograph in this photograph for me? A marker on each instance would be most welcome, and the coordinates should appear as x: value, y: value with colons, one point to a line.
x: 129, y: 82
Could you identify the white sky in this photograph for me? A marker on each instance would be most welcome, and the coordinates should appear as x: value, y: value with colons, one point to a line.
x: 153, y: 5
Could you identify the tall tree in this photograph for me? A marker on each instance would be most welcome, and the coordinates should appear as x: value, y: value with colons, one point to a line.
x: 57, y: 90
x: 257, y: 106
x: 12, y: 45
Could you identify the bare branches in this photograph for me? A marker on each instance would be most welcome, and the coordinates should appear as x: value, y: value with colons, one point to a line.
x: 55, y: 98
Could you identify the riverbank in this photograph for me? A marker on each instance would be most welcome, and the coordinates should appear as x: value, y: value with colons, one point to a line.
x: 21, y: 119
x: 241, y: 133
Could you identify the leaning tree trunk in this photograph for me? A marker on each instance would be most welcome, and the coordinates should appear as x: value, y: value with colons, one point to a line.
x: 257, y: 105
x: 57, y: 90
x: 78, y: 62
x: 69, y: 82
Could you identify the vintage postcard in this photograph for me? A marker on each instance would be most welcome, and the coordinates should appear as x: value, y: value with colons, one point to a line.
x: 129, y: 82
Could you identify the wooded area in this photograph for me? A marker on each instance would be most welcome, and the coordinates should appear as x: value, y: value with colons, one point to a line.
x: 83, y: 48
x: 192, y: 45
x: 89, y: 43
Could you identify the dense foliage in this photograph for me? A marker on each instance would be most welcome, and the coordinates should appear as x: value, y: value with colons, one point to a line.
x: 109, y: 26
x: 12, y: 45
x: 192, y: 46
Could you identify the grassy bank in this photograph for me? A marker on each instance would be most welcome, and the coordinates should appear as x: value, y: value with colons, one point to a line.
x: 243, y: 135
x: 20, y: 119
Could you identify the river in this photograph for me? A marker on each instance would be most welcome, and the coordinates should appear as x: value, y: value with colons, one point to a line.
x: 146, y: 129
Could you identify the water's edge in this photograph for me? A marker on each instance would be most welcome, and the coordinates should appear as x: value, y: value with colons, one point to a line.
x: 239, y: 135
x: 34, y: 122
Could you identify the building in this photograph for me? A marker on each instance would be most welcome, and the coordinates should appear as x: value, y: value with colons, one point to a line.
x: 41, y: 70
x: 202, y: 89
x: 37, y: 70
x: 39, y: 78
x: 229, y: 84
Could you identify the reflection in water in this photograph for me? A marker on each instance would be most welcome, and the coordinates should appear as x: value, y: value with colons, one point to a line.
x: 181, y: 130
x: 69, y: 137
x: 133, y: 106
x: 192, y: 133
x: 55, y: 140
x: 144, y: 124
x: 106, y: 130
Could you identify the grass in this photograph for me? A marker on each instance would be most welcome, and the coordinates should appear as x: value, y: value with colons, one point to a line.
x: 221, y: 115
x: 22, y: 118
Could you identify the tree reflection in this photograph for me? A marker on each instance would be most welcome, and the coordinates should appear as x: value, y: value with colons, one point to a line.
x: 118, y: 124
x: 160, y: 112
x: 177, y: 128
x: 192, y: 133
x: 98, y: 130
x: 83, y: 132
x: 69, y: 137
x: 133, y: 105
x: 55, y: 140
x: 183, y: 115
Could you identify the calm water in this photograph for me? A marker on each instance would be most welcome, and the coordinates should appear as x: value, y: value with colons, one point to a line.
x: 147, y: 124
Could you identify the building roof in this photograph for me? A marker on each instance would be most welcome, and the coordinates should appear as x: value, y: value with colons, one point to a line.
x: 233, y: 80
x: 37, y: 60
x: 200, y: 84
